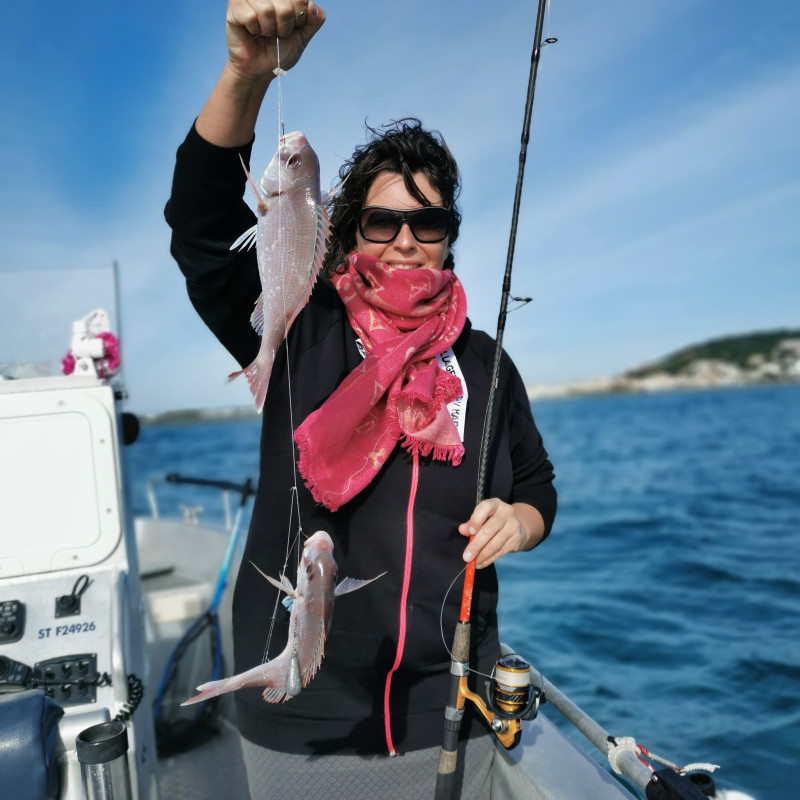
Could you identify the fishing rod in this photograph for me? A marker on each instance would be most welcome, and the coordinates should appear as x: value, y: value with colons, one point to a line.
x: 515, y: 697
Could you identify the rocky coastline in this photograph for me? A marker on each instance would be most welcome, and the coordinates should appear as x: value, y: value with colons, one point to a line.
x: 781, y: 364
x: 769, y: 357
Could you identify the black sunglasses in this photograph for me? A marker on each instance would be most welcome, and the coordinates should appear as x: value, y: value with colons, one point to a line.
x: 381, y: 225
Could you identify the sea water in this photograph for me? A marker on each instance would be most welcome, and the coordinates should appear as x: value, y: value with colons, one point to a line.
x: 666, y: 602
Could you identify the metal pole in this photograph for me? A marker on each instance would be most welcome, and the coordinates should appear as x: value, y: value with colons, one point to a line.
x: 656, y: 785
x: 459, y: 665
x: 118, y: 313
x: 593, y: 731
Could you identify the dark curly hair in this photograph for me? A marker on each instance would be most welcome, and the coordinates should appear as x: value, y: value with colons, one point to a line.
x: 404, y: 147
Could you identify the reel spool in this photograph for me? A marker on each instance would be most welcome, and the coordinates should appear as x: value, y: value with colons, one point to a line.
x: 509, y: 693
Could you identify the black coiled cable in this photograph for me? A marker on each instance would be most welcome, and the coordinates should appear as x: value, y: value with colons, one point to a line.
x: 135, y: 695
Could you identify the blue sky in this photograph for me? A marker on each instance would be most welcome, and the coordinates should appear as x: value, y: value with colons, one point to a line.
x: 662, y: 189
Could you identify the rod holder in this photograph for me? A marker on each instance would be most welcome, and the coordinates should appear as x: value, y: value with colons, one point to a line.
x: 103, y: 756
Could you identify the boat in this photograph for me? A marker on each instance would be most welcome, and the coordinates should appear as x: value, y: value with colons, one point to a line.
x: 93, y: 604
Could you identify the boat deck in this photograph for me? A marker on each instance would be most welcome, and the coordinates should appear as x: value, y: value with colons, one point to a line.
x: 214, y: 770
x: 545, y: 766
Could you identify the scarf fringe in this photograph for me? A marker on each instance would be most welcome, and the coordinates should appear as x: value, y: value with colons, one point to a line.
x: 440, y: 452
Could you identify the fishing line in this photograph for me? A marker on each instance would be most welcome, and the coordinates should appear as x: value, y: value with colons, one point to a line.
x: 290, y: 545
x: 441, y: 625
x: 294, y: 503
x: 278, y: 72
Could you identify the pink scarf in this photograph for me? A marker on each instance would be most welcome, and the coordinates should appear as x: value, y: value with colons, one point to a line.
x: 404, y: 318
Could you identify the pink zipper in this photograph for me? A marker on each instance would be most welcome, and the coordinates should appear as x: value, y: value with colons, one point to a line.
x: 401, y: 639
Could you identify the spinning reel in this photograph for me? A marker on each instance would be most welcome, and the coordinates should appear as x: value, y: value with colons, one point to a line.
x: 510, y: 698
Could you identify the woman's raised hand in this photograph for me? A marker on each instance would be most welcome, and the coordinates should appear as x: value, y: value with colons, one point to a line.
x: 229, y: 117
x: 253, y: 26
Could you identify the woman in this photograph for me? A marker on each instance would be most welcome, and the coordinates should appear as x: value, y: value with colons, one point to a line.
x: 383, y: 683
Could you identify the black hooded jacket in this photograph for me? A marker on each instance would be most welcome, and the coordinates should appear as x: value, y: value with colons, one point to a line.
x: 342, y: 708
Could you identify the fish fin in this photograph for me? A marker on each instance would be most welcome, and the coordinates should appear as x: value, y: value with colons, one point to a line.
x: 262, y: 204
x: 320, y: 249
x: 257, y: 317
x: 316, y: 659
x: 275, y: 690
x: 257, y: 375
x: 285, y: 585
x: 323, y: 234
x: 274, y: 694
x: 328, y: 196
x: 351, y: 584
x: 246, y: 240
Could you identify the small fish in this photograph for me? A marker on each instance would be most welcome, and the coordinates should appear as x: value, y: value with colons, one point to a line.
x: 291, y: 238
x: 309, y: 623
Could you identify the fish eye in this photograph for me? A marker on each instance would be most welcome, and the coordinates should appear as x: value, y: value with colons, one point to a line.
x: 310, y: 571
x: 293, y: 160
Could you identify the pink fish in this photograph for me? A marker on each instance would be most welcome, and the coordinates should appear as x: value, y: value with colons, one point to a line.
x: 309, y: 623
x: 291, y: 239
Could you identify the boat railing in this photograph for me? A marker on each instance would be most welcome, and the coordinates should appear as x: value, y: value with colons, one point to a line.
x: 191, y: 514
x: 625, y: 756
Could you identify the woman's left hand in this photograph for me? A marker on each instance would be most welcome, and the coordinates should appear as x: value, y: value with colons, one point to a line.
x: 498, y: 528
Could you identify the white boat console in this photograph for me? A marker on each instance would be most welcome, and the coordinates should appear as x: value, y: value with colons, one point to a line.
x: 71, y: 621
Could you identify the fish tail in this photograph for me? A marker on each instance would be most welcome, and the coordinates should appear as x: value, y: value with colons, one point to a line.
x: 212, y: 689
x: 270, y: 674
x: 257, y: 375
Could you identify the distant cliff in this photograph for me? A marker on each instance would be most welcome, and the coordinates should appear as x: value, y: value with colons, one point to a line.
x: 191, y: 416
x: 762, y: 357
x: 752, y: 358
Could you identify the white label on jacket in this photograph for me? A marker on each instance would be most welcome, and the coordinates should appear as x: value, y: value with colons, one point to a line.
x: 458, y: 408
x: 448, y: 362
